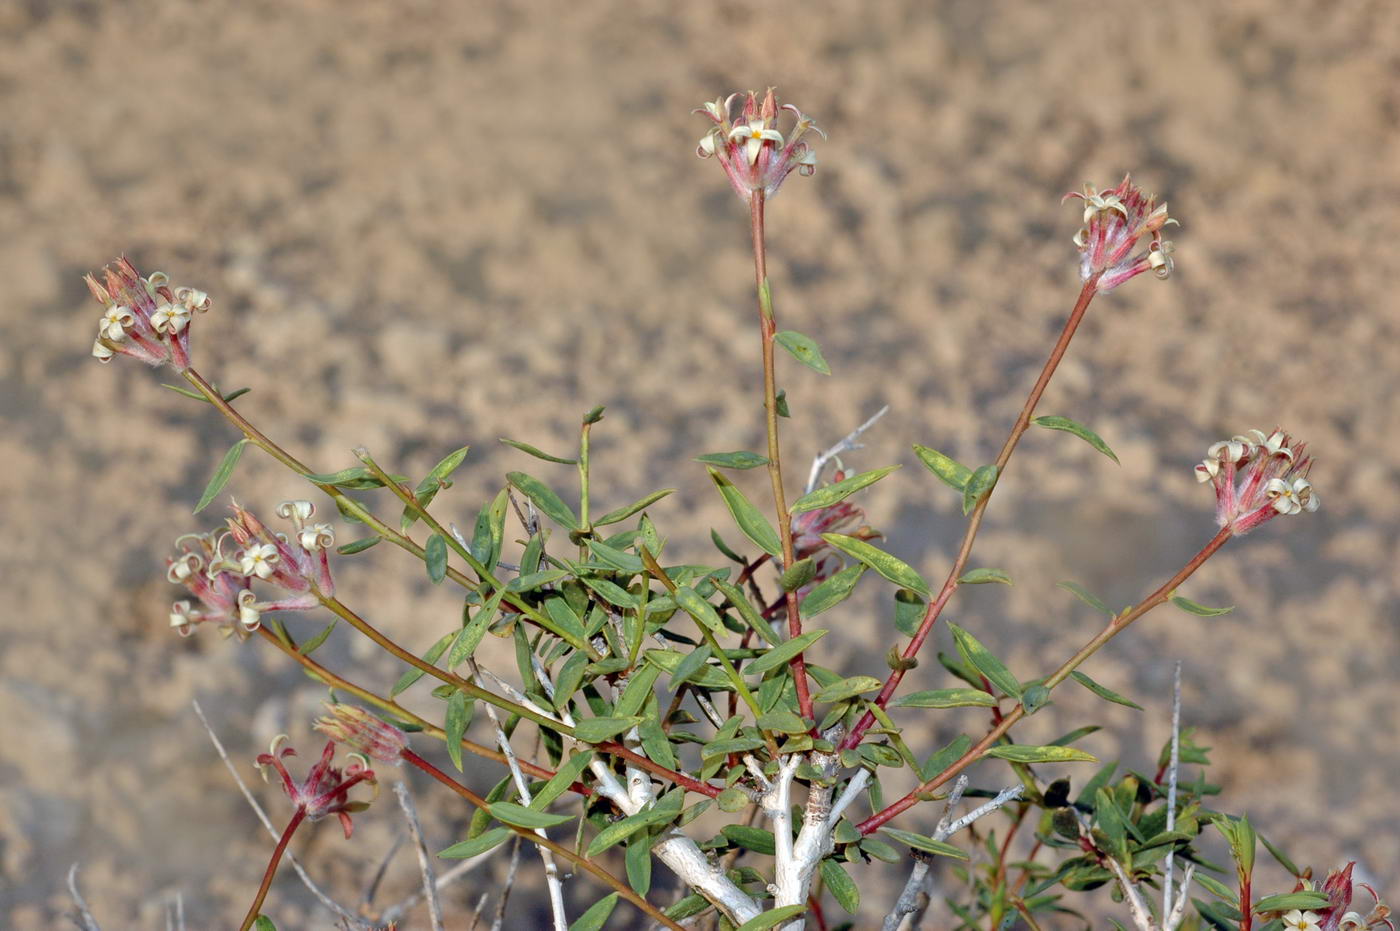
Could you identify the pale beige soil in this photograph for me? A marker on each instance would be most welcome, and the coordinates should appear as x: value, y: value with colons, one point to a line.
x: 429, y: 224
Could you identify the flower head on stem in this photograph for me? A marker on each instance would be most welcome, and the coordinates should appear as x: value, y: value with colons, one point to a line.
x: 1116, y: 220
x: 1337, y: 915
x: 1256, y: 478
x: 362, y: 732
x: 755, y: 155
x: 326, y: 788
x: 144, y: 317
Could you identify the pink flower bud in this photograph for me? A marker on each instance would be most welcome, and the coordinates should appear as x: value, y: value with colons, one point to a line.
x: 362, y: 732
x: 1116, y: 221
x: 755, y: 155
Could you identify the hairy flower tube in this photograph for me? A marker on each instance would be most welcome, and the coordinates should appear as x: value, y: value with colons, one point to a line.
x: 755, y: 155
x: 326, y: 789
x: 362, y: 732
x: 144, y: 317
x: 1256, y: 478
x: 1115, y: 222
x: 218, y: 584
x: 296, y: 563
x: 1340, y: 888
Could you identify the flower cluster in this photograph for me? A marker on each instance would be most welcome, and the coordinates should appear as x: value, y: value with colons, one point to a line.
x: 1338, y: 915
x: 807, y: 542
x: 754, y: 154
x: 325, y: 790
x: 1256, y: 478
x: 222, y: 583
x: 1115, y: 220
x: 144, y: 317
x: 363, y: 733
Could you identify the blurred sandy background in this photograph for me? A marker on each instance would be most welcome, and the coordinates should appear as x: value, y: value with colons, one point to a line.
x: 429, y: 224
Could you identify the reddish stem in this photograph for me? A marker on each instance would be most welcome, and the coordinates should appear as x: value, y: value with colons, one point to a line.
x: 950, y: 584
x: 256, y: 907
x: 1115, y: 627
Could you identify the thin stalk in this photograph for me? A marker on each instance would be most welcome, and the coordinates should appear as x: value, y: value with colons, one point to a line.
x: 271, y: 870
x: 618, y: 886
x: 1114, y: 628
x: 950, y: 584
x: 768, y: 330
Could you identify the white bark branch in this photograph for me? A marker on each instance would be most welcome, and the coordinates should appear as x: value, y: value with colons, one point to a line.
x: 847, y: 443
x: 1171, y: 789
x: 425, y: 865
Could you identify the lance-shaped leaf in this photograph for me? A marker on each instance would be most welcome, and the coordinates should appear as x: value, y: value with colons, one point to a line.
x: 567, y: 774
x: 619, y: 831
x: 1018, y: 753
x: 356, y: 478
x: 221, y: 475
x: 545, y: 499
x: 627, y: 511
x: 947, y: 698
x: 477, y: 845
x: 983, y: 576
x: 952, y: 472
x: 596, y: 916
x: 849, y: 687
x: 1306, y: 901
x: 739, y: 459
x: 597, y: 730
x: 433, y: 482
x: 538, y: 453
x: 979, y: 656
x: 1103, y: 691
x: 455, y: 725
x: 1084, y: 595
x: 698, y: 608
x: 832, y: 591
x: 839, y: 491
x: 772, y: 918
x: 841, y: 886
x: 804, y: 349
x: 435, y: 556
x: 926, y: 844
x: 1078, y: 429
x: 749, y: 518
x: 783, y: 652
x: 523, y: 817
x: 897, y: 571
x: 1200, y: 610
x: 614, y: 557
x: 978, y: 486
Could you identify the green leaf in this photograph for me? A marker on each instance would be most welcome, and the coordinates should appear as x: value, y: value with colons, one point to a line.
x: 618, y: 559
x: 897, y: 571
x: 783, y: 722
x: 952, y: 472
x: 782, y: 404
x: 1084, y: 595
x: 611, y: 592
x: 926, y: 844
x: 847, y: 688
x: 945, y: 757
x: 978, y: 486
x: 638, y: 861
x: 798, y: 574
x: 619, y: 831
x: 732, y: 799
x: 1280, y: 856
x: 469, y: 637
x: 690, y: 664
x: 623, y: 513
x: 263, y: 923
x: 432, y: 483
x: 231, y: 396
x: 729, y: 745
x: 596, y: 916
x: 1078, y: 429
x: 983, y: 576
x: 749, y: 518
x: 979, y: 656
x: 307, y: 648
x: 1103, y: 691
x: 221, y: 475
x: 538, y: 453
x: 1018, y: 753
x: 356, y: 478
x: 783, y: 652
x: 1034, y: 698
x: 559, y: 783
x: 545, y: 499
x: 435, y: 556
x: 358, y: 546
x: 523, y: 817
x: 455, y: 725
x: 430, y: 657
x: 841, y: 886
x: 831, y: 494
x: 698, y: 608
x: 755, y: 839
x: 748, y: 611
x: 739, y: 459
x: 1306, y: 901
x: 1200, y: 610
x: 477, y: 845
x: 947, y: 698
x: 833, y: 591
x: 772, y: 918
x: 597, y: 730
x: 804, y: 349
x: 639, y: 689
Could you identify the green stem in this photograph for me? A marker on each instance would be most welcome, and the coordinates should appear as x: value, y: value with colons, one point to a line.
x: 618, y: 886
x: 768, y: 330
x: 1114, y: 628
x: 256, y: 907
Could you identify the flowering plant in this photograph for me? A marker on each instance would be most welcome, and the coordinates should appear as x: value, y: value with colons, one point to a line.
x: 683, y: 712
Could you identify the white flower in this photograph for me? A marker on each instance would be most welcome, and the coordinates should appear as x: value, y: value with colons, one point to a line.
x: 181, y: 617
x: 170, y: 318
x: 1094, y: 202
x: 1291, y: 497
x: 100, y: 352
x: 249, y: 614
x: 1301, y: 921
x: 1159, y: 259
x: 115, y: 322
x: 296, y: 511
x: 754, y: 135
x: 316, y: 537
x: 1207, y: 470
x: 258, y: 560
x: 192, y: 299
x: 1235, y: 450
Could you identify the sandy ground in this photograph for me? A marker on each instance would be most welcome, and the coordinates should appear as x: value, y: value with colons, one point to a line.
x: 429, y: 224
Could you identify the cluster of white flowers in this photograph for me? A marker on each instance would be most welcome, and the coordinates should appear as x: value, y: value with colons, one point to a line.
x: 1256, y: 477
x: 144, y: 317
